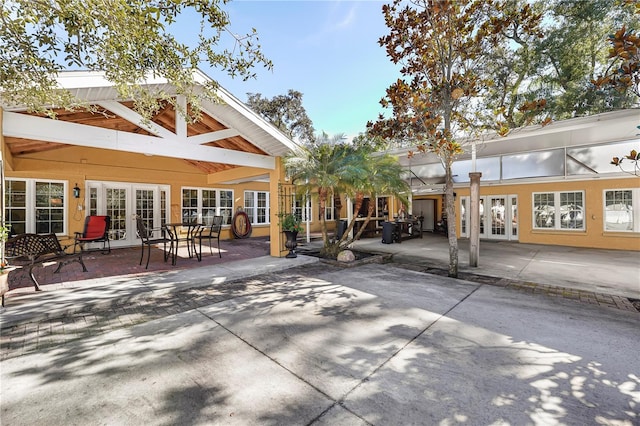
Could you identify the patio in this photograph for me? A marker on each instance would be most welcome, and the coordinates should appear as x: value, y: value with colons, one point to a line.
x: 125, y: 261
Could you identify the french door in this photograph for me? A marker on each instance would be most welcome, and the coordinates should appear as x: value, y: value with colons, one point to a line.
x: 498, y: 217
x: 122, y: 202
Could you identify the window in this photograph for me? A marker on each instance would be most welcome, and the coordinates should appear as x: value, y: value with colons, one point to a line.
x: 558, y: 210
x: 256, y: 206
x: 302, y: 208
x: 329, y: 209
x: 35, y: 206
x: 200, y: 204
x: 620, y: 213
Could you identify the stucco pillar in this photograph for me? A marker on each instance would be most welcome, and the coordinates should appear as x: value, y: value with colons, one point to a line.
x: 276, y: 176
x: 474, y: 219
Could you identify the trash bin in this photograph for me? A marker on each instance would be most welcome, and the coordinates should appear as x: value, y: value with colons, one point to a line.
x: 342, y: 226
x: 388, y: 229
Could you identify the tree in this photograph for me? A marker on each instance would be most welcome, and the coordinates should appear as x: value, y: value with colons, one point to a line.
x: 443, y: 47
x: 623, y: 74
x: 322, y: 167
x: 286, y: 113
x: 573, y: 53
x: 382, y: 176
x: 130, y: 41
x: 332, y: 167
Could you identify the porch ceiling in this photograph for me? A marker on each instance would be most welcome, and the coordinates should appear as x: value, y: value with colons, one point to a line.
x: 228, y: 134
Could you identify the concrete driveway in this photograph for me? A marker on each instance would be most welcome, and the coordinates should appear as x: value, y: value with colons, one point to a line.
x: 322, y: 345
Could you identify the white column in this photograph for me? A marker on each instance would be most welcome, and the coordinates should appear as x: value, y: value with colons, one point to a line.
x: 474, y: 219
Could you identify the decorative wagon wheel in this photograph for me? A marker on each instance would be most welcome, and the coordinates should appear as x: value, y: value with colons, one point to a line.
x: 240, y: 225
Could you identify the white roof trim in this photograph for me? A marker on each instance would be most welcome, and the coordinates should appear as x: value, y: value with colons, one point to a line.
x: 56, y: 131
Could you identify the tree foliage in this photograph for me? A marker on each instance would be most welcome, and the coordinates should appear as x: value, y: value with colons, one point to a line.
x: 130, y: 41
x: 623, y: 73
x: 573, y: 53
x: 443, y: 47
x: 287, y: 113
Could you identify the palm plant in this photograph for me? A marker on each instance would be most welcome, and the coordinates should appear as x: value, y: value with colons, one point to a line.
x: 332, y: 168
x: 321, y: 166
x: 383, y: 176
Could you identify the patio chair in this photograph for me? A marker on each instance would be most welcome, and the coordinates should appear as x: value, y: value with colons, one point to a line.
x: 210, y: 233
x: 147, y: 239
x: 96, y: 230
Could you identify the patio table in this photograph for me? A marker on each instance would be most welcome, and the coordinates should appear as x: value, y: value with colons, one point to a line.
x: 192, y: 230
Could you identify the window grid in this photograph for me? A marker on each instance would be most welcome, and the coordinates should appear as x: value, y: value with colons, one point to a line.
x: 226, y: 206
x: 558, y: 210
x: 189, y: 205
x: 208, y: 206
x: 302, y: 208
x: 619, y: 214
x: 49, y: 208
x: 256, y: 206
x: 204, y: 203
x: 544, y: 210
x: 329, y: 210
x: 16, y: 206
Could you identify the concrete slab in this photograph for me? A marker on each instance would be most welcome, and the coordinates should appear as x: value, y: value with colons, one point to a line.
x: 614, y: 272
x: 184, y: 370
x: 501, y: 358
x: 369, y: 345
x: 74, y: 296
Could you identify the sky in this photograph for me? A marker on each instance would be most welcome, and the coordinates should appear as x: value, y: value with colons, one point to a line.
x: 327, y: 50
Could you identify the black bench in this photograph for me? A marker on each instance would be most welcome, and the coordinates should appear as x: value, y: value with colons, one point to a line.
x: 29, y: 250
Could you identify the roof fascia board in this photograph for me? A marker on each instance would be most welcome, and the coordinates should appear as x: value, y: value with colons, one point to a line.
x: 616, y: 119
x: 237, y: 105
x: 39, y: 128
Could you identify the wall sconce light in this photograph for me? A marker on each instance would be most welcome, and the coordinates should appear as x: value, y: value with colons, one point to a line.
x: 76, y: 191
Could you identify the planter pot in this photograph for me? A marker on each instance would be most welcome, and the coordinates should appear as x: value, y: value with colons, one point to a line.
x: 4, y: 282
x: 291, y: 243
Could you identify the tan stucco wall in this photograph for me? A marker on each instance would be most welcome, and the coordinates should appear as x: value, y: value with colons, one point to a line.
x: 593, y: 236
x: 77, y: 165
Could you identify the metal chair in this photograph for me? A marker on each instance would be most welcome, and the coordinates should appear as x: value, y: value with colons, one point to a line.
x: 147, y: 239
x: 210, y: 233
x: 96, y: 230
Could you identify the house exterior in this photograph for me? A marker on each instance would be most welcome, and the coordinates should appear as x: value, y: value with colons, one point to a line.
x: 542, y: 185
x: 112, y: 163
x: 546, y: 185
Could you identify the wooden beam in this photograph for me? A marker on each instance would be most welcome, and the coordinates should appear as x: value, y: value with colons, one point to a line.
x: 45, y: 129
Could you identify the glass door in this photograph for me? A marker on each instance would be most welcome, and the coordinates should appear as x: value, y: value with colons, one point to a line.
x: 123, y: 201
x: 497, y: 217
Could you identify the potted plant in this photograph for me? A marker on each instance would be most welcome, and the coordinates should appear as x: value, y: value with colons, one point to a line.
x: 291, y: 225
x: 4, y: 268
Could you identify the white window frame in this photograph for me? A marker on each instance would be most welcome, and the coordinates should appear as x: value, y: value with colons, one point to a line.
x: 635, y: 206
x: 302, y: 209
x: 252, y: 211
x: 558, y: 212
x: 218, y: 211
x: 329, y: 209
x: 30, y: 203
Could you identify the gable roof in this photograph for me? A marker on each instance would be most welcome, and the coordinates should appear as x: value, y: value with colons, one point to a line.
x: 229, y: 134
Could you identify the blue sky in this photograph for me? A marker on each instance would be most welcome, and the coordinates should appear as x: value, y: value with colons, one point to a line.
x: 328, y: 50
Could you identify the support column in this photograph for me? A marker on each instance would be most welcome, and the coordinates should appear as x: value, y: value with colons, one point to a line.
x: 474, y: 219
x: 275, y: 177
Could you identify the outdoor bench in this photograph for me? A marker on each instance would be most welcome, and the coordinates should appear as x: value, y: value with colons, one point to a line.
x: 30, y: 250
